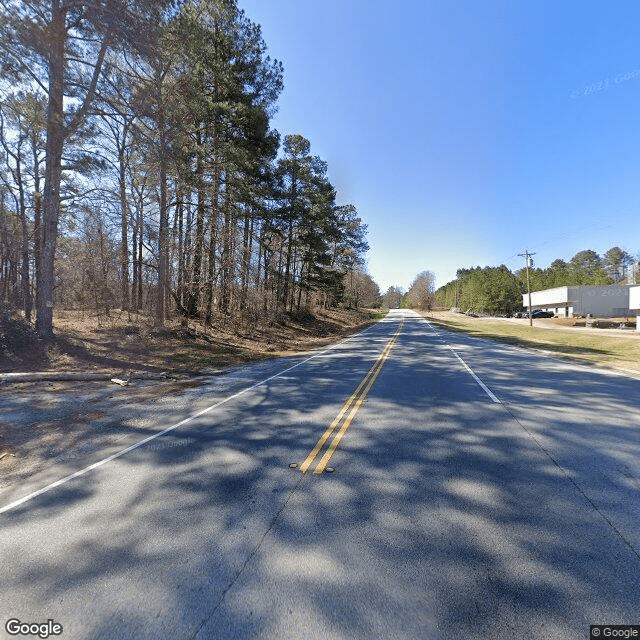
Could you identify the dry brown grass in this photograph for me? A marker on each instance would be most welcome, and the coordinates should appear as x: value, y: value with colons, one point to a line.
x: 126, y: 342
x: 612, y: 348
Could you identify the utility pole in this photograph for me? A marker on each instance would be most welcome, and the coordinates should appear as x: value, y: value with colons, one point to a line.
x: 529, y: 262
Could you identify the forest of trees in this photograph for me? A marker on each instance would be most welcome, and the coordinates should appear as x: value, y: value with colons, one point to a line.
x: 498, y: 290
x: 139, y: 169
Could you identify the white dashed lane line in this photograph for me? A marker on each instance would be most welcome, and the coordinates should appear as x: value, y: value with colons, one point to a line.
x: 467, y: 367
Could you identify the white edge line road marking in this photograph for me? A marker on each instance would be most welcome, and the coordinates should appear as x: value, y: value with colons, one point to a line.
x: 467, y: 367
x: 475, y: 377
x: 118, y: 454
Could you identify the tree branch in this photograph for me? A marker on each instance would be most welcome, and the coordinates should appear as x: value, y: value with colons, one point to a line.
x: 91, y: 91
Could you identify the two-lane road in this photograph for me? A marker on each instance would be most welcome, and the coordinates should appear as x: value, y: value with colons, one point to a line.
x: 478, y: 491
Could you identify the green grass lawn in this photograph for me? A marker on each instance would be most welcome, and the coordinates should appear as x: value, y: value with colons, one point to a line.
x: 620, y: 352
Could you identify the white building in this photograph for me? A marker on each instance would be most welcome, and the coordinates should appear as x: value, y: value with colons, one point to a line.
x: 634, y: 304
x: 607, y: 301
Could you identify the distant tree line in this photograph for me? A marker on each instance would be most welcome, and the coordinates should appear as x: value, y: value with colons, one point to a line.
x: 498, y: 290
x: 139, y: 169
x: 420, y: 295
x: 392, y: 297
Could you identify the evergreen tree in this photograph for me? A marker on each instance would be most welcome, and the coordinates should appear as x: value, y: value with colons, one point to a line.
x: 615, y: 263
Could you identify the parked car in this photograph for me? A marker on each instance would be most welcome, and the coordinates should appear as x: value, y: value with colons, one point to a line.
x: 539, y: 313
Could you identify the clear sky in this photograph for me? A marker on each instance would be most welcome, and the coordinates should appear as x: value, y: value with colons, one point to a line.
x: 466, y: 131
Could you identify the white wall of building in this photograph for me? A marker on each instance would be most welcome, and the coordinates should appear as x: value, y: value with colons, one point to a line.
x: 603, y: 302
x: 634, y: 304
x: 600, y: 301
x: 551, y: 297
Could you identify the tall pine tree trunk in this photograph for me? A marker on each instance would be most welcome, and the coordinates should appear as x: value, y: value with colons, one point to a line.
x: 124, y: 226
x: 163, y: 231
x: 181, y: 252
x: 24, y: 268
x: 246, y: 258
x: 227, y: 258
x: 213, y: 238
x: 140, y: 247
x: 53, y: 170
x: 163, y: 247
x: 196, y: 278
x: 37, y: 214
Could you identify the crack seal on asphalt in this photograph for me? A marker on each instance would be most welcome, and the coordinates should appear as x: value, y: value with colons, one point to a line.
x: 248, y: 559
x: 578, y: 488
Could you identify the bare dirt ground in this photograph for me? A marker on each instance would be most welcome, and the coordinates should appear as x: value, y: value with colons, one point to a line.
x: 124, y: 343
x: 47, y: 422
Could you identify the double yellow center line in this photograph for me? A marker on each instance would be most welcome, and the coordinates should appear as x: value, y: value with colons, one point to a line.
x: 354, y: 403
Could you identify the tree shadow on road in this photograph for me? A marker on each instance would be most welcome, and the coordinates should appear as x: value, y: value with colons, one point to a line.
x: 448, y: 516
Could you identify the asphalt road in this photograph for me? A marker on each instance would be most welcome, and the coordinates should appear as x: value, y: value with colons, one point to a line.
x: 479, y: 491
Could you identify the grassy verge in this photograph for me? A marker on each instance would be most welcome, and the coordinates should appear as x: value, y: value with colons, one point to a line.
x: 377, y: 314
x: 615, y: 351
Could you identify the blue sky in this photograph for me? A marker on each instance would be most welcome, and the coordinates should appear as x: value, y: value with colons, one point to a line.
x: 466, y: 131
